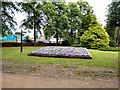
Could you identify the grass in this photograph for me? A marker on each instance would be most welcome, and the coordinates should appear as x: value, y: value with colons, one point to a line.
x: 100, y: 58
x: 95, y: 73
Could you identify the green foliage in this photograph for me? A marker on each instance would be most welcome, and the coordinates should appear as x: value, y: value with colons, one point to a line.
x: 74, y: 20
x: 87, y: 16
x: 32, y: 20
x: 7, y: 21
x: 57, y: 21
x: 113, y: 20
x: 28, y: 37
x: 95, y: 37
x: 80, y: 16
x: 66, y: 43
x: 110, y: 49
x: 75, y: 45
x: 67, y: 21
x: 112, y: 43
x: 28, y: 40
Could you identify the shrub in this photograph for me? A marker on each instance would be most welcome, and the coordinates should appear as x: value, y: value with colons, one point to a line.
x: 75, y: 45
x: 110, y: 49
x: 27, y: 37
x: 27, y: 40
x: 95, y: 37
x: 112, y: 43
x: 65, y: 43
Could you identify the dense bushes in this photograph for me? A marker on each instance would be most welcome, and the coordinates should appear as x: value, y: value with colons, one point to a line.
x: 112, y: 43
x: 66, y: 43
x: 95, y: 37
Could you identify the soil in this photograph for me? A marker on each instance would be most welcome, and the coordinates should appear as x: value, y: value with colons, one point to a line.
x: 56, y: 76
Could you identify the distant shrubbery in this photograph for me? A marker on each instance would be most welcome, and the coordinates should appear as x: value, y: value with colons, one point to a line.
x: 66, y: 43
x: 28, y: 40
x: 110, y: 49
x: 75, y: 45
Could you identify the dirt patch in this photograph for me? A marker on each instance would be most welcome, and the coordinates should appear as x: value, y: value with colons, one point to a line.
x: 32, y: 81
x: 58, y: 71
x: 55, y: 75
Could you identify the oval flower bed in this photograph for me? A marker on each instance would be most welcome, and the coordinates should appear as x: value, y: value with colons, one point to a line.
x: 64, y: 52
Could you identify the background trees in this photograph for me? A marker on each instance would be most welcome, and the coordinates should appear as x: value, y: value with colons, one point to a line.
x: 57, y: 21
x: 74, y: 18
x: 113, y: 22
x: 73, y: 22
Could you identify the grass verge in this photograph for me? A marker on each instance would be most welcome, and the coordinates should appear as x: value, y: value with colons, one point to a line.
x: 99, y: 58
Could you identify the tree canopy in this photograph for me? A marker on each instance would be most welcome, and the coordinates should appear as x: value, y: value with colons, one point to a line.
x: 59, y: 20
x: 113, y: 21
x: 7, y: 20
x: 33, y: 19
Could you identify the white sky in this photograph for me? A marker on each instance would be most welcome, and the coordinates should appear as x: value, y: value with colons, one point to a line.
x: 99, y: 7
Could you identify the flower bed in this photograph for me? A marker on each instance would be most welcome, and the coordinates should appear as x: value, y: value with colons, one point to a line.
x: 58, y: 51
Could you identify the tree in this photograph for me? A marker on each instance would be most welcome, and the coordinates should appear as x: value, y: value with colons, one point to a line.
x: 7, y: 17
x: 75, y: 20
x: 48, y: 9
x: 57, y: 21
x: 81, y: 17
x: 68, y: 21
x: 32, y: 21
x: 113, y: 21
x: 61, y: 20
x: 95, y: 37
x: 88, y: 17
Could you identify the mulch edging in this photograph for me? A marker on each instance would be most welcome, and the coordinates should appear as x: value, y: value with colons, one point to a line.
x: 58, y: 56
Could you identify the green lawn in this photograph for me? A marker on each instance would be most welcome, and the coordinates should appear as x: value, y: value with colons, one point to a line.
x: 100, y: 58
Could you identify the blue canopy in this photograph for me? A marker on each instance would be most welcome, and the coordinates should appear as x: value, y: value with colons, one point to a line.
x: 10, y: 38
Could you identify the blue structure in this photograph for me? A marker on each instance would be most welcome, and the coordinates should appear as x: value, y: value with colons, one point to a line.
x: 13, y: 37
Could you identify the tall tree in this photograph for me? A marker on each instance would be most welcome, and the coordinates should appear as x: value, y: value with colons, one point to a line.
x: 57, y: 21
x: 88, y: 16
x: 49, y: 11
x: 75, y: 20
x: 32, y: 21
x: 7, y: 17
x: 61, y: 20
x: 81, y: 17
x: 113, y: 21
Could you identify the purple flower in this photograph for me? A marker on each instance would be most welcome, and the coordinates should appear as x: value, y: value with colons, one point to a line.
x: 64, y: 51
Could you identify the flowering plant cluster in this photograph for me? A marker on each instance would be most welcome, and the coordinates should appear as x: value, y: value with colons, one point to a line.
x: 62, y: 51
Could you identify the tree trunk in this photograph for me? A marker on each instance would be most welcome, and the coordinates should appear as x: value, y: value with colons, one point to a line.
x: 71, y: 33
x: 118, y: 39
x: 115, y: 35
x: 57, y: 37
x: 40, y: 32
x: 34, y: 36
x: 34, y: 30
x: 57, y: 40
